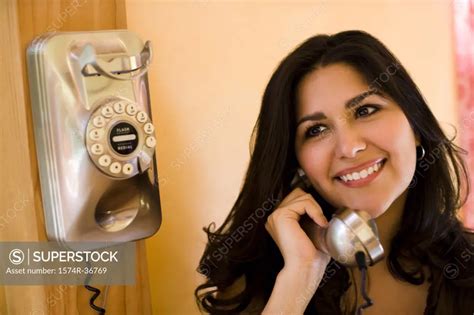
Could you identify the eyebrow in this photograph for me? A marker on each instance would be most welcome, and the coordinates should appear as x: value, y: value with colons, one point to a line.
x: 354, y: 101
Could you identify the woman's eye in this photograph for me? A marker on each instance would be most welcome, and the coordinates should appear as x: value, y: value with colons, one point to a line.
x: 320, y: 130
x: 315, y: 131
x: 366, y: 110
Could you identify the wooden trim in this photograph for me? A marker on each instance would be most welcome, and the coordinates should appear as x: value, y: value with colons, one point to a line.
x: 21, y: 217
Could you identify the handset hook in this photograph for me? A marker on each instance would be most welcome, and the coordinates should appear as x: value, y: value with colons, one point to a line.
x: 85, y: 62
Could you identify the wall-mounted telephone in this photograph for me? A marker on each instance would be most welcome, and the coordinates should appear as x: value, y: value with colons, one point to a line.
x: 349, y: 232
x: 95, y: 139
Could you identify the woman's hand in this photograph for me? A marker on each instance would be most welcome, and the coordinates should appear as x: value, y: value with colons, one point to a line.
x: 304, y: 264
x: 284, y: 227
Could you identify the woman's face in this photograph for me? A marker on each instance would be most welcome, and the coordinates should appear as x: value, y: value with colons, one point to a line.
x: 356, y: 146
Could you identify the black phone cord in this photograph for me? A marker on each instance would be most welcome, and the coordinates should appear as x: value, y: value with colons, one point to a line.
x: 96, y: 294
x: 361, y: 263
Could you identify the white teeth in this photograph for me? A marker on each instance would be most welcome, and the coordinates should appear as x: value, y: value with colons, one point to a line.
x: 362, y: 174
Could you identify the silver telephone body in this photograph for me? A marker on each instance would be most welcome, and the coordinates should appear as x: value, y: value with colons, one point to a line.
x: 95, y: 139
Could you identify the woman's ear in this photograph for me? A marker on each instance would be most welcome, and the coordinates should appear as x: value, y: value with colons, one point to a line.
x: 417, y: 139
x: 301, y: 173
x: 300, y: 180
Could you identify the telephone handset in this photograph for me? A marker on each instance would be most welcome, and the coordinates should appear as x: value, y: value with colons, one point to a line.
x: 349, y: 232
x: 95, y: 139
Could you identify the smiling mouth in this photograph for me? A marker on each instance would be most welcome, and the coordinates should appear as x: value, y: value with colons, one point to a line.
x: 362, y: 176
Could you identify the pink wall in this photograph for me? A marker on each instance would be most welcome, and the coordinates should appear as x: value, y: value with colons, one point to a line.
x: 464, y: 34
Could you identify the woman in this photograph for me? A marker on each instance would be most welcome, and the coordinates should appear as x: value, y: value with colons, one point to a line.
x: 342, y: 113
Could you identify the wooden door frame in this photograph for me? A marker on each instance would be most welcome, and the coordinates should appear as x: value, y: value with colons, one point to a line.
x: 21, y: 217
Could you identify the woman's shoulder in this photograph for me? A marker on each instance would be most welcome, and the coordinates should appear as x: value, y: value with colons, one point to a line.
x: 452, y: 283
x: 457, y: 268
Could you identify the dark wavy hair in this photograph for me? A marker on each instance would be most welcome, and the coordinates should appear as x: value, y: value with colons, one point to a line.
x: 430, y: 233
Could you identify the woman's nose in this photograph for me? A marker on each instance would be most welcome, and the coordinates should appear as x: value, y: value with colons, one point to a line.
x: 349, y: 142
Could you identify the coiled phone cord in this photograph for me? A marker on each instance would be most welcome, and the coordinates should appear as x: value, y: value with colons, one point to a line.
x: 361, y: 263
x: 96, y: 291
x: 96, y: 294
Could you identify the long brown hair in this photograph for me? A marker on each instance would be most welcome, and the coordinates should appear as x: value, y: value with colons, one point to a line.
x: 430, y: 232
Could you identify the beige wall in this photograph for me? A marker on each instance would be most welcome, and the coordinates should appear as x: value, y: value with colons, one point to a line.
x: 211, y: 64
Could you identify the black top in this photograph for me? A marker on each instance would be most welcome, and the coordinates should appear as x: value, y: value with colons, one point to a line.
x: 452, y: 288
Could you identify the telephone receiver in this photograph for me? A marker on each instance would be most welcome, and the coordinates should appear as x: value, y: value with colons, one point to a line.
x: 349, y: 232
